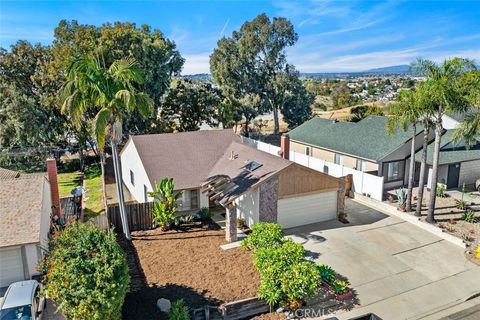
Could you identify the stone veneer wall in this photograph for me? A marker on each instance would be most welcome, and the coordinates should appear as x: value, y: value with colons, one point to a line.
x: 268, y: 200
x: 231, y: 224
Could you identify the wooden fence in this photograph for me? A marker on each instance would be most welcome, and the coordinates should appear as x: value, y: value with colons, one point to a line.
x: 139, y: 216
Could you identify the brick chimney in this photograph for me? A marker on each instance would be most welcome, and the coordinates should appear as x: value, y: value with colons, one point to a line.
x: 53, y: 179
x: 285, y: 146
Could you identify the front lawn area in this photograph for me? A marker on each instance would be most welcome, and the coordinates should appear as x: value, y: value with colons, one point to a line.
x: 185, y: 264
x: 94, y: 197
x: 67, y: 181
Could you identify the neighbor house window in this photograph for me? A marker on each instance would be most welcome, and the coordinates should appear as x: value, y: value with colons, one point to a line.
x: 308, y: 151
x: 194, y: 199
x: 145, y: 192
x: 393, y: 170
x: 361, y: 165
x: 338, y: 159
x: 132, y: 178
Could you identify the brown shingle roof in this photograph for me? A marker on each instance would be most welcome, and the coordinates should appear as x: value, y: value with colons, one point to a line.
x: 191, y: 158
x: 20, y: 209
x: 8, y: 174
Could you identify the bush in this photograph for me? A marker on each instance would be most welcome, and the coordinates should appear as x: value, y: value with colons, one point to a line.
x: 179, y: 311
x: 440, y: 191
x: 86, y: 273
x: 469, y: 216
x: 461, y: 204
x: 326, y: 273
x: 263, y: 235
x: 240, y: 222
x: 299, y: 281
x: 340, y: 287
x: 165, y: 203
x: 205, y: 214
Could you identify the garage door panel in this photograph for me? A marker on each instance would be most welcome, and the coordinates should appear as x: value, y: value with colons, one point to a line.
x: 297, y: 211
x: 11, y: 266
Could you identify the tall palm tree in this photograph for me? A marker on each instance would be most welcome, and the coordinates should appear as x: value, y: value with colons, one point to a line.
x: 445, y: 96
x: 405, y: 113
x: 469, y: 130
x: 113, y: 93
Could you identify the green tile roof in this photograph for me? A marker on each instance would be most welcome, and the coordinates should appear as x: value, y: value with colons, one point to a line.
x: 451, y: 152
x: 367, y: 139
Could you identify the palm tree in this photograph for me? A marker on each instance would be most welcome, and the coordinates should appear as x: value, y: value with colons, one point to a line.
x: 469, y: 130
x: 404, y: 113
x: 444, y: 96
x: 113, y: 93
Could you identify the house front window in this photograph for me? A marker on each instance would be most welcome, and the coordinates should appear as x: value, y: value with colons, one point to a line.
x: 338, y: 159
x: 308, y: 151
x: 393, y: 170
x: 188, y: 200
x: 132, y: 178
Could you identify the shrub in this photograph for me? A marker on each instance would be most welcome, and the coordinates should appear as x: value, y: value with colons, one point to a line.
x: 86, y: 273
x: 469, y: 216
x: 240, y: 222
x: 340, y: 287
x: 461, y: 204
x: 299, y: 281
x: 205, y: 214
x: 326, y: 273
x: 263, y: 235
x: 179, y: 311
x: 187, y: 219
x: 165, y: 203
x: 440, y: 191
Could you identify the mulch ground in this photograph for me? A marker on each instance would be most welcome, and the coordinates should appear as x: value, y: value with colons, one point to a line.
x: 185, y: 264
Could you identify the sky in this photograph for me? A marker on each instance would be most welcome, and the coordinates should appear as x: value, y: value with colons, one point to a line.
x: 334, y: 36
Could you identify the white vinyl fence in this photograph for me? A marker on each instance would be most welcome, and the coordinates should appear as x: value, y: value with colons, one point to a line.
x: 363, y: 183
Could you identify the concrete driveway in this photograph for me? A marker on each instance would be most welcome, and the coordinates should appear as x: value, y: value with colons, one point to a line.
x: 399, y: 271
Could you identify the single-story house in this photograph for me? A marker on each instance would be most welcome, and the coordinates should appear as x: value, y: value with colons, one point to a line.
x: 25, y: 215
x: 457, y: 164
x: 364, y: 146
x: 214, y: 167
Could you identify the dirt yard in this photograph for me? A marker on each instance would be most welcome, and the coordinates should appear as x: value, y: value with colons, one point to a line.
x: 187, y: 264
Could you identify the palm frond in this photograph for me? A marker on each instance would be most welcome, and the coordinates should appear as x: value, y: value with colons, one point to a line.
x: 144, y: 104
x: 102, y: 119
x: 126, y: 70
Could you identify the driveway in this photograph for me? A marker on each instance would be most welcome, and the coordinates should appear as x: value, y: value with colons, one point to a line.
x: 399, y: 271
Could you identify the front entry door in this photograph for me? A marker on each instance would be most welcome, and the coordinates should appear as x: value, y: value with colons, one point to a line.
x: 453, y: 175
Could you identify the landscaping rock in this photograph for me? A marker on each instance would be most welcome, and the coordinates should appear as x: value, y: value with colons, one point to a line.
x: 280, y: 310
x: 163, y: 304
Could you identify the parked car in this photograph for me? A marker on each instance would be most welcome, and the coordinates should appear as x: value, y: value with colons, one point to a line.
x: 477, y: 185
x: 22, y: 301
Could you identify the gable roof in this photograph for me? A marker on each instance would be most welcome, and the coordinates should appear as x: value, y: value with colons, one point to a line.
x: 367, y: 139
x: 451, y: 151
x: 21, y: 201
x: 191, y: 158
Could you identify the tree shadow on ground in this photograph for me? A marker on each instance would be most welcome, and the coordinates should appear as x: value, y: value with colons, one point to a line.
x: 141, y: 299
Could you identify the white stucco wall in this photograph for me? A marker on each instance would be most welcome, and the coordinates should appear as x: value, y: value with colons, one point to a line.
x: 442, y: 174
x: 469, y: 172
x: 248, y: 206
x: 449, y: 123
x: 130, y: 160
x: 203, y: 199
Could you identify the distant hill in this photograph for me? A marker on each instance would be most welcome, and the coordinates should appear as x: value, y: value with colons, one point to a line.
x: 403, y: 68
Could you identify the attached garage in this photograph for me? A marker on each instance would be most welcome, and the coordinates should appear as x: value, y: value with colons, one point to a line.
x: 307, y: 209
x: 11, y: 266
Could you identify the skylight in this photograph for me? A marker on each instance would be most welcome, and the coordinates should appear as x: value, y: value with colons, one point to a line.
x: 253, y: 165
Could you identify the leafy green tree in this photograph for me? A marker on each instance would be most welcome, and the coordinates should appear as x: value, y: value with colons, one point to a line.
x: 444, y: 94
x: 188, y: 104
x: 248, y: 62
x: 112, y: 92
x: 86, y: 273
x: 361, y: 112
x: 165, y: 203
x: 469, y: 130
x: 405, y: 113
x: 26, y: 120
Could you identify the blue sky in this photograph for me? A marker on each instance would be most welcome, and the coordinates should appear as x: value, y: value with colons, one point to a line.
x: 333, y: 35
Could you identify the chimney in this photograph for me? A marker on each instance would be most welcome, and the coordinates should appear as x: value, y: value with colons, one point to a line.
x: 52, y: 178
x: 285, y: 146
x: 232, y: 155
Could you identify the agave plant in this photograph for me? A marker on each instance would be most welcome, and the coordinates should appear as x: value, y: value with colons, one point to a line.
x: 402, y: 198
x: 165, y: 203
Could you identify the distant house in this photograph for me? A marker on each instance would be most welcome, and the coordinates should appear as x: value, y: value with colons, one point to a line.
x: 25, y: 215
x: 214, y: 168
x: 457, y: 164
x: 364, y: 146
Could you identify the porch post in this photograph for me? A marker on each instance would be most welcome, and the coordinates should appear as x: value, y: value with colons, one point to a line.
x: 231, y: 224
x: 341, y: 214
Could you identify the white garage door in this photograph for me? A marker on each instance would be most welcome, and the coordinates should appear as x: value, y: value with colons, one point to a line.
x: 297, y: 211
x: 11, y: 266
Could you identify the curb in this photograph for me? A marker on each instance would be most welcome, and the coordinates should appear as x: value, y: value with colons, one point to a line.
x: 389, y: 210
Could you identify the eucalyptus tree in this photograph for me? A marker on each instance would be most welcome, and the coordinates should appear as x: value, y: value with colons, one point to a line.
x: 444, y: 95
x: 405, y: 113
x: 113, y: 92
x: 249, y: 62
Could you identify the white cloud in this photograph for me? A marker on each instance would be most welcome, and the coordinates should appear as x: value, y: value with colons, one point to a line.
x: 196, y: 63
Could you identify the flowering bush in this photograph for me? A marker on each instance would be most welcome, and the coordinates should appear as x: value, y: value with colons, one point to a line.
x: 86, y: 273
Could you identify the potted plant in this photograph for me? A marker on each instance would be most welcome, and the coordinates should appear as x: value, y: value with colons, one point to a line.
x: 341, y: 290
